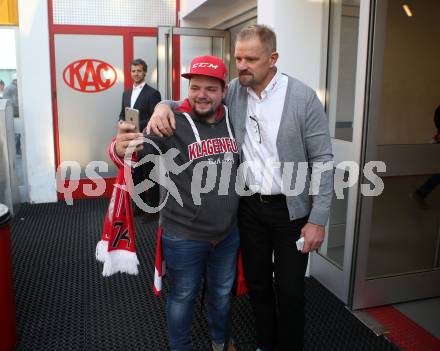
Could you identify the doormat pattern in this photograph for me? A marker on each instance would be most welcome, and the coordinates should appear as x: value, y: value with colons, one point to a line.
x: 64, y: 303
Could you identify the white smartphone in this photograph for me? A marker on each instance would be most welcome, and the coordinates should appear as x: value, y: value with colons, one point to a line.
x: 132, y: 116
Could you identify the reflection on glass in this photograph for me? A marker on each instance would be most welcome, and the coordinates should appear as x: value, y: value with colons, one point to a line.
x: 343, y: 38
x: 411, y: 74
x: 405, y: 228
x: 11, y: 93
x: 423, y: 192
x: 217, y: 47
x: 404, y: 235
x: 145, y: 48
x: 334, y: 242
x: 9, y: 90
x: 83, y: 135
x: 193, y: 46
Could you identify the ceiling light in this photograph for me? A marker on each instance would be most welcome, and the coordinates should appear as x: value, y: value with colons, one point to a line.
x: 407, y: 10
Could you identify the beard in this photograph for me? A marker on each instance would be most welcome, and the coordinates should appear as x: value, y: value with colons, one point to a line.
x: 203, y: 114
x: 246, y: 79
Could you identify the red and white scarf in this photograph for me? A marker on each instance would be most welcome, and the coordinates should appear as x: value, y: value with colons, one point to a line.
x: 117, y: 249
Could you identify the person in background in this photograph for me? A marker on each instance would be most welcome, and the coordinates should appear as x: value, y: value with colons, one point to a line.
x: 144, y: 98
x: 433, y: 181
x: 2, y: 88
x: 11, y: 93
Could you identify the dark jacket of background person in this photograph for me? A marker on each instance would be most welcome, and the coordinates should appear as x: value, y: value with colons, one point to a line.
x: 145, y: 103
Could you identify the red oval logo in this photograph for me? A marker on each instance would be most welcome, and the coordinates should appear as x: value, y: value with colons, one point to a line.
x: 89, y: 75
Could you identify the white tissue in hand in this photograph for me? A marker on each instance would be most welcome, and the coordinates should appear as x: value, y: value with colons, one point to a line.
x: 300, y: 243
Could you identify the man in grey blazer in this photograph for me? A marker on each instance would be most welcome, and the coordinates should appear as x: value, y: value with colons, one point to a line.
x: 282, y: 134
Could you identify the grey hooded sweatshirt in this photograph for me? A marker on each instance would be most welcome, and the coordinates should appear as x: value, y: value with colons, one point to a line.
x: 198, y: 169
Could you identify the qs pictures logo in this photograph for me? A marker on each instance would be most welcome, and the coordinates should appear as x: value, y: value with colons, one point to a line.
x: 89, y: 75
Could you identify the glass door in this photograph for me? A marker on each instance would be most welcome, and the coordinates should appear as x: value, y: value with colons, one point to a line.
x: 177, y: 47
x: 399, y: 231
x: 344, y: 102
x: 144, y: 47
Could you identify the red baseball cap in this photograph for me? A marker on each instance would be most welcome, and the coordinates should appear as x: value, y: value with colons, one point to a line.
x: 211, y: 66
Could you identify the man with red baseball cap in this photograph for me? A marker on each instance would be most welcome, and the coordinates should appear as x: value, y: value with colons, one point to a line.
x: 200, y: 236
x: 211, y: 66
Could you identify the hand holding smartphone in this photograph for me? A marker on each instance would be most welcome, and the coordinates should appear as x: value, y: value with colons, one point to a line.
x: 132, y: 116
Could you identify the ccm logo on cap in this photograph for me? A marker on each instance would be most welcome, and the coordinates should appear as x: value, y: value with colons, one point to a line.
x: 205, y: 64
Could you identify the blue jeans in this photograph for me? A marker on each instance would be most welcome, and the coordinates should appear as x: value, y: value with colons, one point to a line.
x: 187, y: 261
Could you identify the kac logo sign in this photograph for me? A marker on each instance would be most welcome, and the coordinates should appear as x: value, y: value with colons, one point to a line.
x: 89, y: 75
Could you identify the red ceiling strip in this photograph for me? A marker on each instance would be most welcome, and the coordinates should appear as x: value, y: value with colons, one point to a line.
x: 103, y: 30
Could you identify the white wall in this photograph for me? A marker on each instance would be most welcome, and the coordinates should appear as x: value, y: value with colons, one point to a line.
x: 220, y: 14
x: 7, y: 40
x: 299, y: 27
x: 33, y: 66
x: 188, y: 6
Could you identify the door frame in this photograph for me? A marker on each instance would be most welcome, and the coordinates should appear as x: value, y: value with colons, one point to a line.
x: 339, y: 280
x: 168, y: 56
x: 403, y: 287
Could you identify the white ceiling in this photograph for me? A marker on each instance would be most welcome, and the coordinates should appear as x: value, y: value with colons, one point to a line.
x: 213, y: 8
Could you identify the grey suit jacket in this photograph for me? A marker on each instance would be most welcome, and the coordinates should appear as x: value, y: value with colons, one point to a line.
x: 303, y: 137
